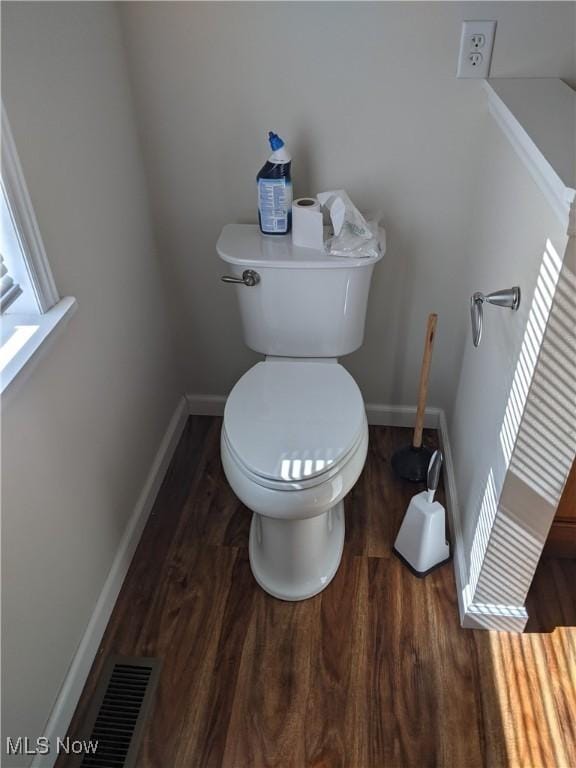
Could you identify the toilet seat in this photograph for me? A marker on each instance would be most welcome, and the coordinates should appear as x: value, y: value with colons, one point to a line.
x: 292, y: 425
x: 291, y: 485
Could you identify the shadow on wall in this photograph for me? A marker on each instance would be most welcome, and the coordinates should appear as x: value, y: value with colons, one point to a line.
x: 545, y: 447
x: 536, y: 445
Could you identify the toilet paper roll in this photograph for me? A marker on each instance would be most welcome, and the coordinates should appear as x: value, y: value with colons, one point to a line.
x: 307, y: 229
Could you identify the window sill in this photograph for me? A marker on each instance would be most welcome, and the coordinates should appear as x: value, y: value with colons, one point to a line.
x: 26, y: 337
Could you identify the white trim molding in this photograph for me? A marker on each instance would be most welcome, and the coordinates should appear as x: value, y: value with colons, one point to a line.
x: 206, y: 405
x: 548, y: 113
x: 37, y: 264
x: 38, y: 332
x: 69, y: 694
x: 376, y: 413
x: 400, y: 415
x: 454, y: 518
x: 503, y: 618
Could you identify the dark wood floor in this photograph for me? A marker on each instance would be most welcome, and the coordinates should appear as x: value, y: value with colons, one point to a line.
x: 373, y: 672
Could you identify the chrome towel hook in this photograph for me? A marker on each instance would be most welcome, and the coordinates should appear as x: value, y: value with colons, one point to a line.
x: 508, y: 297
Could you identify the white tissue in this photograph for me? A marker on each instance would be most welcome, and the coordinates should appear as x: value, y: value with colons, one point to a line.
x: 353, y: 235
x: 336, y: 208
x: 307, y: 228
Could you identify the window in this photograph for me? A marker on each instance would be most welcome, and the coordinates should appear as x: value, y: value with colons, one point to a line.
x: 30, y: 306
x: 9, y: 290
x: 17, y: 295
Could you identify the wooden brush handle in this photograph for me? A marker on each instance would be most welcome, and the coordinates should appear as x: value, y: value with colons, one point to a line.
x: 424, y: 375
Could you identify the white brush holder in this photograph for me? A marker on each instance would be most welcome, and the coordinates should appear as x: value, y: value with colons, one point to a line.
x: 421, y: 541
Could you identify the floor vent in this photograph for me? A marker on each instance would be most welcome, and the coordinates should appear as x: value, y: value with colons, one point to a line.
x: 114, y: 725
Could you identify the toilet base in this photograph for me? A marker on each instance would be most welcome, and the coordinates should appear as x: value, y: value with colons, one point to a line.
x: 296, y: 559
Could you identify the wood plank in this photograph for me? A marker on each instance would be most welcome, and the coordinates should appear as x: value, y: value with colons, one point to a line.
x: 561, y: 540
x: 182, y: 627
x: 376, y: 505
x: 534, y: 691
x: 215, y: 515
x: 551, y: 601
x: 535, y: 673
x: 456, y: 680
x: 375, y: 672
x: 206, y: 745
x: 129, y: 614
x: 268, y: 720
x: 567, y: 508
x: 335, y: 720
x: 491, y: 700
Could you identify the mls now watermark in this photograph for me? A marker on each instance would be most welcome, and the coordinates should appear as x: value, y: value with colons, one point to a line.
x: 22, y: 745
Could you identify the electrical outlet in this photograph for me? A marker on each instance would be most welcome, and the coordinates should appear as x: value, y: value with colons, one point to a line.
x: 476, y: 43
x: 475, y: 59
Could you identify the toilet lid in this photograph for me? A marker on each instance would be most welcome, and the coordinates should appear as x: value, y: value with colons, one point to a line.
x: 293, y: 421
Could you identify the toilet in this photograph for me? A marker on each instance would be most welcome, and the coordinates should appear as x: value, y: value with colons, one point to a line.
x: 294, y: 437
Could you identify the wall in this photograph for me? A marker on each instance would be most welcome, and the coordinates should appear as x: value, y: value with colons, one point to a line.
x: 366, y: 97
x: 512, y: 226
x: 80, y: 434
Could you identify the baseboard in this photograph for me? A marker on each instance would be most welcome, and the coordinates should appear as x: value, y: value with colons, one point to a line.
x: 206, y: 405
x: 69, y: 694
x: 454, y: 519
x: 377, y: 413
x: 400, y: 415
x: 502, y: 618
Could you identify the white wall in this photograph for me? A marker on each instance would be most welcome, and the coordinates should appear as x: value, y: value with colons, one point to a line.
x: 366, y: 97
x: 81, y: 433
x: 511, y: 221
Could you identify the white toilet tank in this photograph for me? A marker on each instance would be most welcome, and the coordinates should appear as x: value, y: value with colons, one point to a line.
x: 305, y: 304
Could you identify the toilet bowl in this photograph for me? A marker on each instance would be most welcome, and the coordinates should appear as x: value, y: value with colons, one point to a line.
x: 294, y: 442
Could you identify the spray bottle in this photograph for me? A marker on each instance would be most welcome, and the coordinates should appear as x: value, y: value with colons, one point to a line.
x: 275, y: 190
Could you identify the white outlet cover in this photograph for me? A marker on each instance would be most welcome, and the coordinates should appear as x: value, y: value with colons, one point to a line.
x: 469, y: 63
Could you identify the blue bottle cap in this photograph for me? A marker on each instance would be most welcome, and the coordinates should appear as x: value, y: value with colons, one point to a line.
x: 275, y: 141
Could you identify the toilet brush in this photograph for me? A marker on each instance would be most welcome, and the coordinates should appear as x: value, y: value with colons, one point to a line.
x: 411, y: 463
x: 421, y: 542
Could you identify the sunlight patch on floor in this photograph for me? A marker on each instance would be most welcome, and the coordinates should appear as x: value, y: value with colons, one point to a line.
x: 535, y: 686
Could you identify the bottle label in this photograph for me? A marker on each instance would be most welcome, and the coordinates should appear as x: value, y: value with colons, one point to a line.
x: 274, y: 204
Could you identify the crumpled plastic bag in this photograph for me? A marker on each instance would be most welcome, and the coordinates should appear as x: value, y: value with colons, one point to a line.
x: 353, y: 235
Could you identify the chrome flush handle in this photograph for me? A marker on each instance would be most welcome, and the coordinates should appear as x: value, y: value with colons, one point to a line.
x: 509, y: 298
x: 249, y: 278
